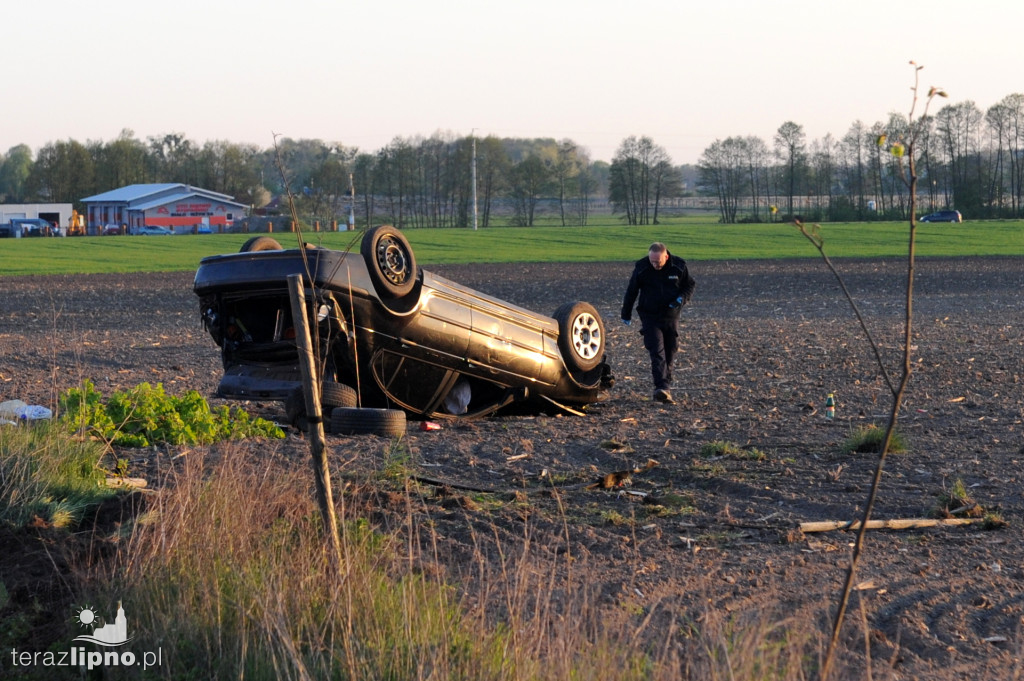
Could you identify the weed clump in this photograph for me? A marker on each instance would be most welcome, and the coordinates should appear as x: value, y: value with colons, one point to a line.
x: 869, y: 439
x: 957, y: 502
x: 720, y: 448
x: 48, y: 478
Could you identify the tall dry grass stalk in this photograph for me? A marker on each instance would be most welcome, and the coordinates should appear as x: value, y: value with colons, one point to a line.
x: 228, y: 574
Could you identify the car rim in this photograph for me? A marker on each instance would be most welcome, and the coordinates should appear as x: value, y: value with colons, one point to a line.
x: 586, y: 336
x: 392, y: 261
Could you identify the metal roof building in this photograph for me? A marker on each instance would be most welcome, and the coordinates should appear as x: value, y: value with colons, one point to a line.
x: 57, y: 214
x: 179, y: 207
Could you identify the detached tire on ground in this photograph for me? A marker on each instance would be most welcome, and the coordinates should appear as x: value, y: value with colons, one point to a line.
x: 580, y: 335
x: 353, y: 421
x: 260, y: 243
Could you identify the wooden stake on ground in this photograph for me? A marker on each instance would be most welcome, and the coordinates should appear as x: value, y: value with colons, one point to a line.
x: 895, y: 524
x: 314, y: 415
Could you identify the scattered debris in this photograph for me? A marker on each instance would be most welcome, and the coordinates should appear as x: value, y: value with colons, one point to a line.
x: 620, y: 478
x: 16, y: 411
x: 131, y: 483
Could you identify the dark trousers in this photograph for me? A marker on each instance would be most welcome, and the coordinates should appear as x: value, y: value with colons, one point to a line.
x: 661, y: 338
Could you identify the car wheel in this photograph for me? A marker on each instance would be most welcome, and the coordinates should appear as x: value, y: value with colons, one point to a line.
x: 390, y: 261
x: 580, y: 335
x: 260, y: 243
x: 352, y: 421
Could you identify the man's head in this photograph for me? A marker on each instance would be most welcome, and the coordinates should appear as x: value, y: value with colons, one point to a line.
x: 658, y: 255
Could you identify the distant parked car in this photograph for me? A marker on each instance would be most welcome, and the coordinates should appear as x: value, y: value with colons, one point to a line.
x: 148, y: 230
x: 943, y: 216
x: 22, y: 227
x: 111, y: 230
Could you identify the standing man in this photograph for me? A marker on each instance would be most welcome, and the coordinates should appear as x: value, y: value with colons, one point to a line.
x: 664, y: 286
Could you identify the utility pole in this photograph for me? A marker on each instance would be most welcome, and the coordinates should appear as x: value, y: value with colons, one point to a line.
x: 472, y: 134
x: 351, y: 203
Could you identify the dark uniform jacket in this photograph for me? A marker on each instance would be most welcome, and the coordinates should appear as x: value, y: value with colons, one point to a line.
x: 659, y: 290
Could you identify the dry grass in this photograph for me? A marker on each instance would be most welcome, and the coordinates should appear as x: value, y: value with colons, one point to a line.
x: 230, y: 578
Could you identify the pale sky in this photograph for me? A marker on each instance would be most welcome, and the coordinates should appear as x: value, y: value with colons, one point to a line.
x: 362, y: 73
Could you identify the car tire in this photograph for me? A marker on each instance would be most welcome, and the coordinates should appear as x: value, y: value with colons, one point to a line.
x: 260, y: 243
x: 580, y: 335
x: 335, y: 395
x: 332, y: 396
x: 390, y: 261
x: 353, y: 421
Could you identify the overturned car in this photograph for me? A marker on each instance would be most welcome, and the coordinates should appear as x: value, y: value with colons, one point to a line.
x: 396, y: 335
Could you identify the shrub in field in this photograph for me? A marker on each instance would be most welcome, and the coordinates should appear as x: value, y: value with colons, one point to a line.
x: 146, y: 415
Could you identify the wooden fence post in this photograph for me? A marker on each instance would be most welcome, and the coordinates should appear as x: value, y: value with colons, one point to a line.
x: 314, y: 415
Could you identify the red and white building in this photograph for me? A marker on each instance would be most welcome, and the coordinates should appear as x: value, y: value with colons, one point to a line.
x: 178, y: 207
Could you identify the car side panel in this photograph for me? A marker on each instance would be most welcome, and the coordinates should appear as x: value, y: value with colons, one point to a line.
x: 506, y: 341
x: 441, y: 322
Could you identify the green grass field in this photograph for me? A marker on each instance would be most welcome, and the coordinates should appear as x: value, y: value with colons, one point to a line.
x: 607, y: 240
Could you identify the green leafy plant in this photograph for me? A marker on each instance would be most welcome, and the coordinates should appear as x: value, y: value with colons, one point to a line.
x: 145, y: 415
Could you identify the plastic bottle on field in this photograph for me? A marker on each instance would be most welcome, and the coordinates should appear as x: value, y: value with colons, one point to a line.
x: 830, y: 406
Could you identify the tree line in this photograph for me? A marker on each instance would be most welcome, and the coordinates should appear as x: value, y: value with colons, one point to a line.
x: 412, y: 182
x: 968, y: 160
